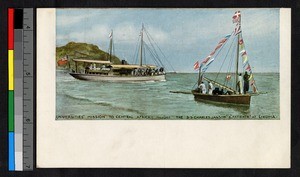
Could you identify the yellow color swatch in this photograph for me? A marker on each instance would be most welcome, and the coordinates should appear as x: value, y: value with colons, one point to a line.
x: 10, y: 70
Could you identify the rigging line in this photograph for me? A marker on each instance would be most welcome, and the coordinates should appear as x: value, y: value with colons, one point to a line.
x: 151, y: 53
x: 194, y: 85
x: 134, y: 59
x: 165, y: 58
x: 155, y: 56
x: 224, y: 58
x: 144, y: 57
x: 154, y: 50
x: 229, y: 68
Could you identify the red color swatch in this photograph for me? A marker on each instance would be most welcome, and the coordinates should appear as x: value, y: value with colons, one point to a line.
x: 11, y: 29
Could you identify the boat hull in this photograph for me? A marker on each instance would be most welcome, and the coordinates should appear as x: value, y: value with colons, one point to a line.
x: 94, y: 77
x: 232, y: 99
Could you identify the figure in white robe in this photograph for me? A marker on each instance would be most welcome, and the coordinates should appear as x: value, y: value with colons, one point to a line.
x: 240, y: 84
x: 202, y: 88
x: 210, y: 88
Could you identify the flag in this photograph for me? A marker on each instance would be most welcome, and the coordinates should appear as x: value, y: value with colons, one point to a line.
x: 237, y: 29
x: 251, y: 75
x: 218, y: 46
x: 243, y: 52
x: 223, y: 41
x: 241, y: 41
x: 248, y: 67
x: 206, y: 59
x: 212, y: 53
x: 206, y: 66
x: 196, y: 65
x: 236, y: 17
x: 245, y: 60
x: 228, y: 77
x: 110, y: 34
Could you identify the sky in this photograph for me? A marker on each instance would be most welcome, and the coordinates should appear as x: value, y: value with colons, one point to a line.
x: 184, y: 35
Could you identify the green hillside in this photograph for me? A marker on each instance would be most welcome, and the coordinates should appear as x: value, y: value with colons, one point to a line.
x: 83, y: 51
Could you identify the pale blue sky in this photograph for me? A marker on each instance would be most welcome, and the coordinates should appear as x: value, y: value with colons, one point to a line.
x: 184, y: 35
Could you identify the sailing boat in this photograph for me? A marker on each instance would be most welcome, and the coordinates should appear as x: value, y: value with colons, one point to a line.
x: 229, y: 93
x: 107, y: 70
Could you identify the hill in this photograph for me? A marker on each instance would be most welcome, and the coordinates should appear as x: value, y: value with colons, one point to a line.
x: 84, y: 51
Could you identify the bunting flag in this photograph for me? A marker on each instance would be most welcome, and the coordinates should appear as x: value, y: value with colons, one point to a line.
x: 241, y: 41
x: 236, y: 17
x: 245, y: 59
x: 245, y: 64
x: 237, y: 29
x: 196, y: 65
x: 251, y: 76
x: 208, y: 60
x: 218, y: 46
x: 206, y: 66
x: 110, y: 34
x: 212, y: 53
x: 248, y: 67
x: 228, y: 77
x: 242, y: 47
x: 243, y: 53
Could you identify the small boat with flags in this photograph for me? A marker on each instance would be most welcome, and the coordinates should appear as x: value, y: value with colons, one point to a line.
x: 232, y: 87
x: 107, y: 70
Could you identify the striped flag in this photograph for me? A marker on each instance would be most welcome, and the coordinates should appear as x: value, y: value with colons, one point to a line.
x: 196, y: 65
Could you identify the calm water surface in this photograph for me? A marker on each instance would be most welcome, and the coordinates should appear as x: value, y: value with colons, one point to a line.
x: 76, y: 99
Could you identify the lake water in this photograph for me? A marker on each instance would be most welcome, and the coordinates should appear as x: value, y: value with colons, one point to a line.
x: 76, y: 99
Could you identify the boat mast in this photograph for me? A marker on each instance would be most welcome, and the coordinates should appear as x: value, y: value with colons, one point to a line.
x: 237, y: 55
x: 110, y: 45
x: 141, y: 53
x: 199, y: 77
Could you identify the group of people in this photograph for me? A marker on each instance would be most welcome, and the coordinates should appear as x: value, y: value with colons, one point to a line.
x: 202, y: 88
x: 243, y: 88
x: 242, y: 85
x: 147, y: 71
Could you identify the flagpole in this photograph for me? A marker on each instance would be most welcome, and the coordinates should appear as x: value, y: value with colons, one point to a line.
x: 141, y: 56
x: 110, y: 45
x: 199, y: 76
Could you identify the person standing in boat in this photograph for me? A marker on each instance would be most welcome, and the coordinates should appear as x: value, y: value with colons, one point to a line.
x: 202, y: 88
x: 210, y: 88
x: 240, y: 84
x: 246, y: 82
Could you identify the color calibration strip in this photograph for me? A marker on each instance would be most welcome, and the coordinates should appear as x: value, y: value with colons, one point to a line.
x: 20, y: 99
x: 11, y: 135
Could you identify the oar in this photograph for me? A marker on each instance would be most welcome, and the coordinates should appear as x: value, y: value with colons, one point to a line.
x: 183, y: 92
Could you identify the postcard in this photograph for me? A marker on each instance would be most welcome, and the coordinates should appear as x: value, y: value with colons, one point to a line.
x: 165, y: 87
